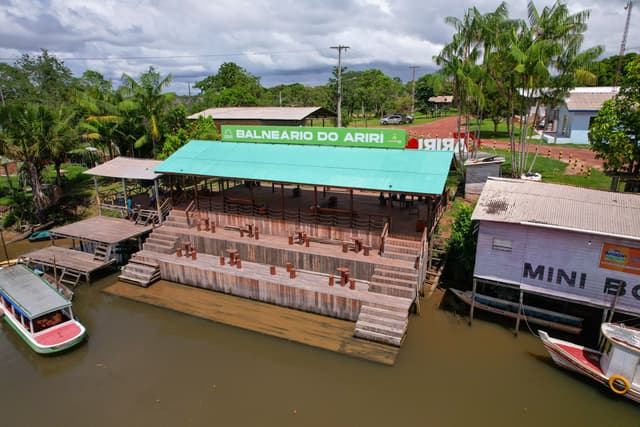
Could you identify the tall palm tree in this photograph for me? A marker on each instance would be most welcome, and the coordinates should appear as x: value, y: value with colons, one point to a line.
x: 151, y: 101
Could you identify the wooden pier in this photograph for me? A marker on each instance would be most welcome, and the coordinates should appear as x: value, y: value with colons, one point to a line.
x: 71, y: 263
x: 102, y: 229
x: 294, y: 325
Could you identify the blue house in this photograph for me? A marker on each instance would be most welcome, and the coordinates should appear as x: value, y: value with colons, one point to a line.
x: 570, y: 122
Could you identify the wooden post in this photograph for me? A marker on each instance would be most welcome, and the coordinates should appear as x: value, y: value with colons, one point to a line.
x: 272, y: 270
x: 315, y: 203
x: 282, y: 199
x: 473, y: 300
x: 95, y: 184
x: 171, y: 189
x: 519, y: 313
x: 331, y: 280
x: 222, y: 262
x: 292, y: 273
x: 157, y: 193
x: 351, y: 207
x: 195, y: 192
x: 4, y: 246
x: 124, y: 191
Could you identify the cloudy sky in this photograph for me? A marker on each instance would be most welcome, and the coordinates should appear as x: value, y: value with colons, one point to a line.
x: 281, y: 41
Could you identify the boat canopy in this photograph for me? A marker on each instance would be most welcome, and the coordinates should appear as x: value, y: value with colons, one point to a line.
x: 29, y: 293
x: 626, y: 337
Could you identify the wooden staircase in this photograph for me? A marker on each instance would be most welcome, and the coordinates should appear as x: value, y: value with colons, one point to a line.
x: 177, y: 218
x: 69, y: 278
x: 438, y: 260
x: 401, y: 249
x: 140, y: 272
x: 382, y: 324
x: 395, y: 281
x: 161, y: 240
x: 102, y: 252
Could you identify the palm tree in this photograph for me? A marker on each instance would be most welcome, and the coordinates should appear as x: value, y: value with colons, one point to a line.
x: 458, y: 59
x: 151, y: 102
x: 26, y: 133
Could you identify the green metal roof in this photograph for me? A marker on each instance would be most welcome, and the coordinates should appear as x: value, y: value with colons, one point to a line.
x: 402, y: 171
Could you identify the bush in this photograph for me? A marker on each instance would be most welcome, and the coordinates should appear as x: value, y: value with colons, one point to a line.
x: 9, y: 219
x: 461, y: 246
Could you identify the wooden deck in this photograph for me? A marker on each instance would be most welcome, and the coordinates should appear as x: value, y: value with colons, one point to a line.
x: 102, y: 229
x: 293, y: 325
x: 66, y: 259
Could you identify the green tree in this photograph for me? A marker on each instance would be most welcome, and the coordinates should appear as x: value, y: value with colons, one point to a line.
x: 615, y: 132
x: 26, y: 134
x: 461, y: 246
x: 151, y: 103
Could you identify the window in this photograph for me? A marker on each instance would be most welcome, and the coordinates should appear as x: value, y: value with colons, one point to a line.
x: 502, y: 245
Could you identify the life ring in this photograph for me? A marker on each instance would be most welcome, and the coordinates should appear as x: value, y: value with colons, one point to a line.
x: 615, y: 383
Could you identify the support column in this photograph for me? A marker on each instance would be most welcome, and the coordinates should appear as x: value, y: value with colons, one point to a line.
x: 351, y: 206
x: 124, y: 191
x: 195, y: 193
x: 173, y: 201
x: 157, y: 193
x: 315, y: 202
x: 95, y: 184
x: 282, y: 199
x: 473, y: 301
x: 519, y: 313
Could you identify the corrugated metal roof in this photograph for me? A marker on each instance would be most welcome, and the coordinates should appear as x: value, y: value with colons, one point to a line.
x: 592, y: 101
x: 28, y: 290
x: 127, y: 167
x: 560, y: 206
x: 402, y: 171
x: 256, y: 113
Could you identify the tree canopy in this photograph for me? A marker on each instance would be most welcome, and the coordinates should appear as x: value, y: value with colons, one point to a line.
x: 615, y: 132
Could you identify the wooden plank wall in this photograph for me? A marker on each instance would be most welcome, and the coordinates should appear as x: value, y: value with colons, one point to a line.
x: 254, y: 252
x: 284, y: 228
x: 260, y: 289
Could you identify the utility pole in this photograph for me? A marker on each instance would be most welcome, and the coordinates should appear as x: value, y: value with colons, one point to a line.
x: 189, y: 88
x: 623, y: 44
x: 413, y: 90
x: 340, y: 48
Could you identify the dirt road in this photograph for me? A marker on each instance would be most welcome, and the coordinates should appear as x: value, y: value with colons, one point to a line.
x: 446, y: 127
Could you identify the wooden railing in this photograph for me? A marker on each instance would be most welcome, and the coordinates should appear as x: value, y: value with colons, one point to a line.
x: 190, y: 212
x: 324, y: 216
x: 383, y: 236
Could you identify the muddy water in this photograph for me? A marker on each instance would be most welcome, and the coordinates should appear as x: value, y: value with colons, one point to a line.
x: 146, y: 366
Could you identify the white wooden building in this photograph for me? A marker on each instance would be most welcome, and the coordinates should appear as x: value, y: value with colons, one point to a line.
x: 568, y: 243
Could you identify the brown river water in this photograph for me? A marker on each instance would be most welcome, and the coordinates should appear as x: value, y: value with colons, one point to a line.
x: 147, y: 366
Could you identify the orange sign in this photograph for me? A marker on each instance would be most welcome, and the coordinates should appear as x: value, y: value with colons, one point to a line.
x: 620, y: 258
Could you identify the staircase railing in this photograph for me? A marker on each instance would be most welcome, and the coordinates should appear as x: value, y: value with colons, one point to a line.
x: 191, y: 208
x: 383, y: 236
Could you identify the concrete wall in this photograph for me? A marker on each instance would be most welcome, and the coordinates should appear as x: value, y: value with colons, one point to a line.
x: 547, y: 251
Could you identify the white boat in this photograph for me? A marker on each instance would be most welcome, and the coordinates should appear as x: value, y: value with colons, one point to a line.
x: 41, y: 316
x: 617, y: 366
x: 535, y: 315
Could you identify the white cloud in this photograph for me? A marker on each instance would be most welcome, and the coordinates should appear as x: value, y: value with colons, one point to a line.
x: 281, y: 41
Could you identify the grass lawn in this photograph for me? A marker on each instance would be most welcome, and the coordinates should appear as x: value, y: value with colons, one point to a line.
x: 375, y: 121
x: 554, y: 171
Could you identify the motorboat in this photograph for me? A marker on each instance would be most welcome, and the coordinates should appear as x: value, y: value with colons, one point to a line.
x: 617, y: 366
